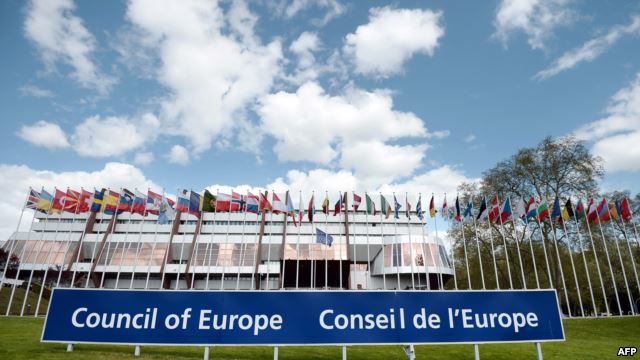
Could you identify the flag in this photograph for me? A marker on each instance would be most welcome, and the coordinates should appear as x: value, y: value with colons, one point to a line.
x: 126, y: 201
x: 325, y: 204
x: 300, y: 210
x: 567, y: 211
x: 371, y: 206
x: 556, y: 212
x: 603, y: 213
x: 253, y: 203
x: 237, y: 201
x: 580, y: 213
x: 154, y: 201
x: 407, y: 210
x: 444, y: 207
x: 323, y: 238
x: 44, y: 201
x: 183, y: 201
x: 457, y: 214
x: 311, y: 209
x: 468, y: 210
x: 385, y: 208
x: 138, y: 206
x: 86, y: 198
x: 338, y: 206
x: 506, y: 211
x: 482, y: 212
x: 531, y: 209
x: 223, y: 202
x: 58, y: 201
x: 32, y: 200
x: 194, y: 204
x: 278, y: 205
x: 396, y: 207
x: 432, y: 208
x: 543, y: 211
x: 494, y: 212
x: 111, y: 202
x: 166, y: 211
x: 625, y: 210
x: 356, y: 202
x: 98, y: 201
x: 291, y: 211
x: 264, y: 203
x: 71, y: 201
x: 419, y: 208
x: 613, y: 210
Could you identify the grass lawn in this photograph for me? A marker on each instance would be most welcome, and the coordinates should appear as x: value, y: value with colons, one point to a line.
x: 586, y: 339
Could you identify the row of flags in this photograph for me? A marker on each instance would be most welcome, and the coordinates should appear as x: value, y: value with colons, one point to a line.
x: 111, y: 202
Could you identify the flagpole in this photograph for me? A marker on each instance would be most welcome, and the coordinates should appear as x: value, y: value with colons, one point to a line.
x: 366, y: 221
x: 384, y: 272
x: 425, y: 244
x: 453, y: 258
x: 584, y: 260
x: 243, y: 253
x: 326, y: 262
x: 192, y: 260
x: 155, y: 239
x: 107, y: 259
x: 515, y: 232
x: 15, y: 241
x: 464, y: 243
x: 24, y: 248
x: 186, y: 222
x: 269, y: 248
x: 211, y: 245
x: 575, y: 275
x: 412, y: 257
x: 283, y: 246
x: 526, y: 233
x: 624, y: 272
x: 595, y: 256
x: 544, y: 248
x: 124, y: 241
x: 165, y: 257
x: 504, y: 240
x: 564, y: 282
x: 340, y: 237
x: 606, y: 249
x: 437, y: 241
x: 223, y: 252
x: 399, y: 257
x: 140, y: 245
x: 475, y: 228
x: 301, y: 212
x: 81, y: 241
x: 312, y: 207
x: 355, y: 249
x: 52, y: 244
x: 97, y: 233
x: 633, y: 263
x: 255, y: 245
x: 493, y: 250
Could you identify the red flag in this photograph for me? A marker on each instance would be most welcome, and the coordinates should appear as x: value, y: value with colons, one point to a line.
x: 311, y: 209
x: 71, y: 201
x: 85, y: 201
x: 494, y: 213
x: 264, y: 203
x: 625, y: 210
x: 356, y: 202
x: 58, y: 201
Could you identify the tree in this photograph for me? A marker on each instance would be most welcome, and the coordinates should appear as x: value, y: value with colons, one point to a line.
x: 14, y: 263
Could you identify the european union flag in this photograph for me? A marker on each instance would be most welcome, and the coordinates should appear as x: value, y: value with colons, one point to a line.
x: 323, y: 238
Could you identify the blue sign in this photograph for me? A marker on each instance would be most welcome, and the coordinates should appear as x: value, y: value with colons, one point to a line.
x: 301, y: 317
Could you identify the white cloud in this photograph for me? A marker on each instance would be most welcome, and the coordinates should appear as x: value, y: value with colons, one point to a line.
x: 289, y: 9
x: 310, y: 125
x: 318, y: 180
x: 444, y: 179
x: 45, y: 134
x: 61, y: 37
x: 391, y: 38
x: 616, y: 136
x: 377, y: 163
x: 113, y: 136
x: 143, y: 158
x: 35, y: 91
x: 16, y: 180
x: 178, y: 155
x: 213, y: 73
x: 589, y: 50
x: 536, y: 18
x: 470, y: 138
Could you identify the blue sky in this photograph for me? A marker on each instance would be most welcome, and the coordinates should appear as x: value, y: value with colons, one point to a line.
x: 326, y: 94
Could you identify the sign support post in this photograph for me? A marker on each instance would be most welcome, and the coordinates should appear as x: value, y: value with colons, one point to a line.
x: 206, y: 353
x: 538, y: 351
x: 136, y: 351
x: 410, y: 352
x: 476, y: 351
x: 275, y: 353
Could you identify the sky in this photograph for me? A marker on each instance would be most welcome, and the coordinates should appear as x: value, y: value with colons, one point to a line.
x: 324, y: 95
